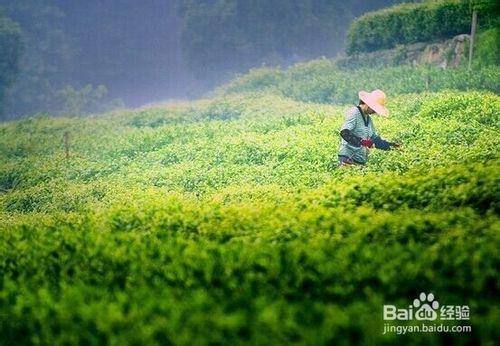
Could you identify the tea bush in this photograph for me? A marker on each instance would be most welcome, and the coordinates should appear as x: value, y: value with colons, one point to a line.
x: 167, y: 269
x: 410, y: 23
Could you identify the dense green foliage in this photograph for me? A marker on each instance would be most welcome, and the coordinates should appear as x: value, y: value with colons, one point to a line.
x: 487, y: 48
x: 10, y: 51
x: 323, y: 81
x: 225, y: 221
x: 409, y: 23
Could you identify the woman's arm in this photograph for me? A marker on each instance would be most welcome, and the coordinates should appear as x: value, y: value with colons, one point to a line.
x: 383, y: 144
x: 350, y: 138
x: 350, y: 123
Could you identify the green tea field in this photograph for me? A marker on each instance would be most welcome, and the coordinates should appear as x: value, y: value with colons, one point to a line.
x: 226, y: 220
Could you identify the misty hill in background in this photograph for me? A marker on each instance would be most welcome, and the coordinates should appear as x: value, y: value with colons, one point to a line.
x: 83, y: 57
x: 130, y: 47
x: 223, y: 37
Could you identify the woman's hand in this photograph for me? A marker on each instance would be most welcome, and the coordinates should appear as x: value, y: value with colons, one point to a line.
x: 396, y: 146
x: 367, y: 143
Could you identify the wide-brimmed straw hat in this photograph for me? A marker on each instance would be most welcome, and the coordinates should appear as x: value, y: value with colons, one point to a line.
x: 375, y: 100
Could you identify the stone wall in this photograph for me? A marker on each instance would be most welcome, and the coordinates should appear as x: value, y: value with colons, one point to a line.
x: 446, y: 54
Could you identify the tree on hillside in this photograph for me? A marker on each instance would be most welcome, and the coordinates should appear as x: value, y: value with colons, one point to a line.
x: 48, y: 70
x: 10, y: 53
x: 233, y: 35
x: 47, y: 58
x: 220, y: 37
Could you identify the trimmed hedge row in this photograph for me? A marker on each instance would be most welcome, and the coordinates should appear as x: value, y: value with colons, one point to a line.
x: 410, y: 23
x: 322, y: 81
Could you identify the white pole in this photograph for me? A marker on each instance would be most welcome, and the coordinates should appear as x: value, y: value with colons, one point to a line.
x: 472, y: 35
